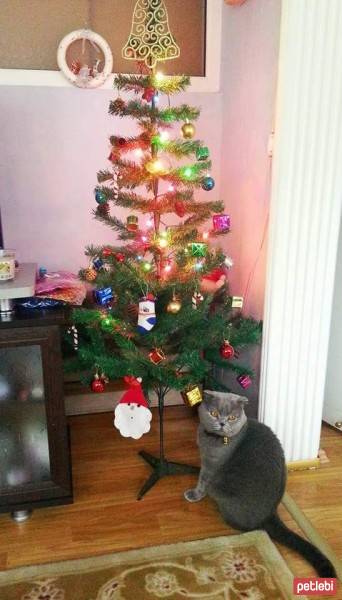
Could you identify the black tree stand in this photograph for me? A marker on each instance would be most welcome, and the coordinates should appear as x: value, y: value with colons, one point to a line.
x: 161, y: 466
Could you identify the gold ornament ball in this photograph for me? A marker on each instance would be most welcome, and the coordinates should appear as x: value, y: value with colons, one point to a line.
x: 188, y: 131
x: 174, y: 306
x: 156, y: 167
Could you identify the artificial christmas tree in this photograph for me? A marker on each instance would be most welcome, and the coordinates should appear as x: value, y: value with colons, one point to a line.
x: 169, y: 311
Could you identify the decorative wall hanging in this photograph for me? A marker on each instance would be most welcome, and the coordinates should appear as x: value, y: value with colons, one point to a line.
x: 150, y: 39
x: 79, y: 72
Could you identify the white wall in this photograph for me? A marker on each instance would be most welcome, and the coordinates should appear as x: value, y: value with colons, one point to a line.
x: 332, y: 411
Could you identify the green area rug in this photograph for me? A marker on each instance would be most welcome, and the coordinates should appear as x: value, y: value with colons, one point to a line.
x: 239, y: 567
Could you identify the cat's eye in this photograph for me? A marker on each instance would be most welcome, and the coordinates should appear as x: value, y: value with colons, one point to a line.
x: 214, y: 413
x: 232, y: 418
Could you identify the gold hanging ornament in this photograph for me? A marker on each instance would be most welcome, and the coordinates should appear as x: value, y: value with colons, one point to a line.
x: 90, y: 274
x: 188, y: 130
x: 174, y: 305
x: 192, y: 396
x: 150, y: 39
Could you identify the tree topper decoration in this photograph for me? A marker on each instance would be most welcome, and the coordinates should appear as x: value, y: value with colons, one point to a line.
x: 150, y: 39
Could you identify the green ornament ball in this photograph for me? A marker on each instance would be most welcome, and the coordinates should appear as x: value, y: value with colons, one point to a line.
x: 100, y: 197
x: 208, y: 183
x: 107, y: 324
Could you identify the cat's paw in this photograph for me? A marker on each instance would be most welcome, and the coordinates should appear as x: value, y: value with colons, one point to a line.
x: 193, y: 495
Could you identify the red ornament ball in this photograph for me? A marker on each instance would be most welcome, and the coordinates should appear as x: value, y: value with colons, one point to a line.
x: 103, y: 210
x: 148, y: 94
x: 120, y: 257
x: 107, y: 252
x: 180, y: 209
x: 226, y: 350
x: 97, y: 385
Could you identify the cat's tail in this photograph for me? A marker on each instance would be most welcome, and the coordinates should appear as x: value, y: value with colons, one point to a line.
x: 278, y: 531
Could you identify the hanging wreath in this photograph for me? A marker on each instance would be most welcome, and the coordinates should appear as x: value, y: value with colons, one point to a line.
x: 80, y: 73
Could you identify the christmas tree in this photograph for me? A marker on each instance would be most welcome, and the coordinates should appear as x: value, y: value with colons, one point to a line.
x: 163, y: 311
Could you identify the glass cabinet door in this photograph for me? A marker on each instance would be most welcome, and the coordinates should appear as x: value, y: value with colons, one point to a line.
x: 24, y: 447
x: 35, y: 465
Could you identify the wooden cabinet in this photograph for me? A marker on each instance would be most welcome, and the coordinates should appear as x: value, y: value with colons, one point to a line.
x: 35, y: 465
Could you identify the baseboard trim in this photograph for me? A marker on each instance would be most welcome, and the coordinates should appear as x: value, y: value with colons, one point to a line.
x: 301, y: 465
x: 90, y: 403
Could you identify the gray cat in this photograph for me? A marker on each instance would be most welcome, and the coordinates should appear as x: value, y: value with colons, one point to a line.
x: 243, y: 469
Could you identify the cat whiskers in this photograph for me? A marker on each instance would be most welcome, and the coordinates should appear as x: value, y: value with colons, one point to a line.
x: 216, y: 427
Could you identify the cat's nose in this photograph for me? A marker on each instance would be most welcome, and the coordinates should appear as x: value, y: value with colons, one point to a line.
x: 222, y: 423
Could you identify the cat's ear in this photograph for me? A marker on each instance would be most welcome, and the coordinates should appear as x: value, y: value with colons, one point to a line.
x: 208, y: 395
x: 242, y: 401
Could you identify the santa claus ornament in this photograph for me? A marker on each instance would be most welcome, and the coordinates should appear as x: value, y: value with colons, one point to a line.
x: 147, y: 314
x: 132, y: 416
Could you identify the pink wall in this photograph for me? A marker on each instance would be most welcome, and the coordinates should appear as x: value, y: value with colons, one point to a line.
x: 53, y: 141
x: 249, y: 72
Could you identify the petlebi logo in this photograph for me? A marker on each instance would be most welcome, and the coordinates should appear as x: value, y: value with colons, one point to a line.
x: 314, y: 586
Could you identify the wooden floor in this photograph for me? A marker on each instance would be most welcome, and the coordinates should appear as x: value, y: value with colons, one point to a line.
x: 105, y: 516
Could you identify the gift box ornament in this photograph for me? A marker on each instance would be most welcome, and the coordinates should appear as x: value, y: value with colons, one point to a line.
x: 237, y: 301
x: 245, y: 381
x: 202, y: 153
x: 104, y: 296
x: 198, y: 249
x: 132, y: 223
x: 221, y: 223
x: 192, y: 396
x: 156, y: 355
x: 98, y: 264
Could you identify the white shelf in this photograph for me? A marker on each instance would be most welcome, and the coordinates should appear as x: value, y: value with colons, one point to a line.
x: 23, y: 285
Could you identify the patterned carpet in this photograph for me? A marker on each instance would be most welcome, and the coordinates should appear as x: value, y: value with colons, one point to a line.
x: 239, y: 567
